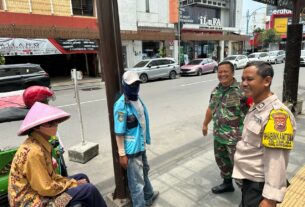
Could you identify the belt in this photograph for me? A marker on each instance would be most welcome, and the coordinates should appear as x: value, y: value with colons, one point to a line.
x: 135, y: 155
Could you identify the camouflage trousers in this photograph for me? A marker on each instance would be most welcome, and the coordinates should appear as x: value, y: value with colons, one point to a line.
x: 224, y: 156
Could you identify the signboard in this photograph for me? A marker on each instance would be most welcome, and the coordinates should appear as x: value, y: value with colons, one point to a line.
x: 280, y: 25
x: 78, y: 45
x: 279, y: 3
x: 198, y: 15
x: 20, y: 46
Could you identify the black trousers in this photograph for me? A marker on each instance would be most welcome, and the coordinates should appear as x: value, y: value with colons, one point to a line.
x: 251, y: 193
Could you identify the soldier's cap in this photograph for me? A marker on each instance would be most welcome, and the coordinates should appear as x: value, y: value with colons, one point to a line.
x: 129, y: 77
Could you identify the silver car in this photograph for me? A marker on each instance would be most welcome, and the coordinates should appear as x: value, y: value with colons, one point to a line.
x: 156, y: 68
x: 277, y: 56
x: 262, y: 56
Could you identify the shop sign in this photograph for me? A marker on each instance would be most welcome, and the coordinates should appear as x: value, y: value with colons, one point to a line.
x: 78, y: 45
x: 282, y: 11
x: 196, y: 15
x: 20, y: 46
x: 214, y: 22
x: 280, y: 25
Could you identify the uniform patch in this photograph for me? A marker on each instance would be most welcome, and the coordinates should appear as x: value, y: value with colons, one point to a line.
x: 121, y: 116
x: 278, y: 132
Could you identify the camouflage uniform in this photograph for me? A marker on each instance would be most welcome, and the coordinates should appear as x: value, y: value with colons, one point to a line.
x: 228, y: 106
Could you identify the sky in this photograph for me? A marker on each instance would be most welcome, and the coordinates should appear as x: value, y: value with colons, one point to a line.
x: 256, y: 20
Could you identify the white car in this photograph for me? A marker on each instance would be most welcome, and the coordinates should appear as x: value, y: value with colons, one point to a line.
x: 302, y: 58
x: 150, y: 69
x: 277, y: 56
x: 262, y: 56
x: 239, y: 61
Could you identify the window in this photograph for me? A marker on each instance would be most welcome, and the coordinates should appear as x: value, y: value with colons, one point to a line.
x: 82, y: 7
x: 147, y: 6
x: 1, y: 5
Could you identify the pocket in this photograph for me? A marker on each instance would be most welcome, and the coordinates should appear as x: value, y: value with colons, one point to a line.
x: 132, y: 122
x: 253, y: 134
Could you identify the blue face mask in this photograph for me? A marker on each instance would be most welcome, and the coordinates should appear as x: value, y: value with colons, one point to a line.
x: 131, y: 91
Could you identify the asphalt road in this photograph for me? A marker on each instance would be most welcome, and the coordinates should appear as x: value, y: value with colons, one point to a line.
x: 176, y: 109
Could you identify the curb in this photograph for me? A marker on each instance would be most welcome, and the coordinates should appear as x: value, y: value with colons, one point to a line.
x: 70, y: 85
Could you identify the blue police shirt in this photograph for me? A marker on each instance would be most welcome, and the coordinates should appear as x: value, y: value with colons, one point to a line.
x: 126, y: 124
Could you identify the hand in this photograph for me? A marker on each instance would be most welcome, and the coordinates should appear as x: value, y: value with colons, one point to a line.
x: 124, y: 161
x: 267, y: 203
x: 204, y: 130
x: 82, y: 182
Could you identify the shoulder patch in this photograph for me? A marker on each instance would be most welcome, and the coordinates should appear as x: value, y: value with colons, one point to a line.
x: 121, y: 116
x: 278, y: 132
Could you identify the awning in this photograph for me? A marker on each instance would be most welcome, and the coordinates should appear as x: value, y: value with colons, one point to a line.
x: 25, y: 47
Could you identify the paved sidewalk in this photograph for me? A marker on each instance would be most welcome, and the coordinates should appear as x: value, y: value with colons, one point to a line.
x: 186, y: 181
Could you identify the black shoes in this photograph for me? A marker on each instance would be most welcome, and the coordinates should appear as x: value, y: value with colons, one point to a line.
x: 226, y: 186
x: 153, y: 198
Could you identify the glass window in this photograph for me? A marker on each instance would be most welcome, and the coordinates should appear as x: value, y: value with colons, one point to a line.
x: 82, y: 7
x: 195, y: 62
x: 155, y: 62
x: 141, y: 64
x: 303, y: 53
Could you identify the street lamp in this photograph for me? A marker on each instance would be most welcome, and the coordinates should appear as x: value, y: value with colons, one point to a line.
x: 248, y: 15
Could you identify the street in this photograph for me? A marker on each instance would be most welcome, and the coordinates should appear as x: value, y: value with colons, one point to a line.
x: 176, y: 109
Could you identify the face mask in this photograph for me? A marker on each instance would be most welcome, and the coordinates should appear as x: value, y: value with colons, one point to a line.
x: 131, y: 91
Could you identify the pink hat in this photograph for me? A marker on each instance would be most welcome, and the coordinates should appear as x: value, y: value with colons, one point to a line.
x: 39, y: 114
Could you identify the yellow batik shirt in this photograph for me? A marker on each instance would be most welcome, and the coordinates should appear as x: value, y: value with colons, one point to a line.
x: 32, y: 180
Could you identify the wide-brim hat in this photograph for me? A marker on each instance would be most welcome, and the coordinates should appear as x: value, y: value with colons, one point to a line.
x: 39, y: 114
x: 130, y: 77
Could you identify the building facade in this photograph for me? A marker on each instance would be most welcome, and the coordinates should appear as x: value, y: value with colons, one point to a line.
x: 63, y: 34
x: 210, y: 28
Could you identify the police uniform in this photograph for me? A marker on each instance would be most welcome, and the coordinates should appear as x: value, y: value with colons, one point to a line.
x: 262, y: 155
x: 228, y: 106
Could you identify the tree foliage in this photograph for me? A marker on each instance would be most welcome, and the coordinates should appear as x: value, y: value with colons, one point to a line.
x: 269, y: 36
x: 2, y: 60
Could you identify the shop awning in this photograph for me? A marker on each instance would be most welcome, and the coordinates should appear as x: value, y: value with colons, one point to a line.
x: 26, y: 47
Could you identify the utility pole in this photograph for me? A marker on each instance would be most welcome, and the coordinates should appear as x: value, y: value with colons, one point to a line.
x: 112, y: 61
x: 293, y: 51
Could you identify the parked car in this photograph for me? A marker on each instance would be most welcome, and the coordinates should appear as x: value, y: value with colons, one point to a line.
x: 199, y: 66
x: 277, y: 56
x: 150, y: 69
x: 20, y: 76
x: 239, y: 61
x: 262, y: 56
x: 302, y: 58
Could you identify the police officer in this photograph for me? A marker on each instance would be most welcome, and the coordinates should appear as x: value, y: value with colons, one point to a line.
x: 132, y: 134
x: 261, y: 156
x: 227, y: 108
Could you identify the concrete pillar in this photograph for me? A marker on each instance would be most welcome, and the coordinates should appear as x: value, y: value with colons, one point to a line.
x: 222, y: 47
x: 230, y: 48
x: 176, y: 50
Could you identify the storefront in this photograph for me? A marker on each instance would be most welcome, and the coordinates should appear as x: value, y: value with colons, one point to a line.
x: 56, y: 56
x: 206, y: 33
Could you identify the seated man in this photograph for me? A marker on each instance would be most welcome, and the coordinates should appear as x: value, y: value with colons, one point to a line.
x: 32, y: 179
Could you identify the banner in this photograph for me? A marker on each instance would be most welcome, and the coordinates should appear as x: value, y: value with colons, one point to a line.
x: 280, y: 25
x: 20, y: 46
x: 75, y: 45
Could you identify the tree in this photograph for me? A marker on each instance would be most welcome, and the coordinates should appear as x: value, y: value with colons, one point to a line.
x: 269, y: 36
x: 2, y: 60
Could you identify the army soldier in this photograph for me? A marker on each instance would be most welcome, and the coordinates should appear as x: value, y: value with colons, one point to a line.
x: 261, y: 156
x: 227, y: 107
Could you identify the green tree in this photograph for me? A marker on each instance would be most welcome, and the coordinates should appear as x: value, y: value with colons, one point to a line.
x: 269, y: 36
x: 2, y: 60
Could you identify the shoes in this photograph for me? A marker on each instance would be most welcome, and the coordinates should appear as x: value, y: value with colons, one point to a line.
x: 226, y: 186
x: 153, y: 198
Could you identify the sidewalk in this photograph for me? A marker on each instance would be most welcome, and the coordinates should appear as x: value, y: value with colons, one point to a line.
x: 186, y: 181
x: 64, y: 83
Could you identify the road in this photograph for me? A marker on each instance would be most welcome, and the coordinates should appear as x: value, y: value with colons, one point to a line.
x: 176, y: 109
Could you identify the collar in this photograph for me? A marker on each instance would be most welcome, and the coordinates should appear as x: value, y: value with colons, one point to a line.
x: 234, y: 84
x: 260, y: 106
x: 42, y: 141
